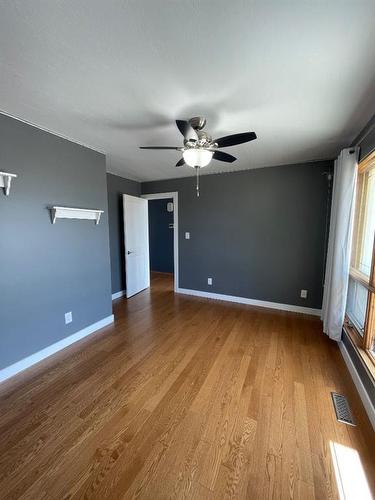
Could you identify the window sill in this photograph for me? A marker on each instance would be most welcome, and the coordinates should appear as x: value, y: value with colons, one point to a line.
x: 366, y: 357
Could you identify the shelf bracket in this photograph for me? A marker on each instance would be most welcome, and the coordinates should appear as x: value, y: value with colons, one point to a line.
x: 6, y: 180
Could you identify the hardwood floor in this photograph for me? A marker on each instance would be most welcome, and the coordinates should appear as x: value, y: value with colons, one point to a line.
x: 184, y: 398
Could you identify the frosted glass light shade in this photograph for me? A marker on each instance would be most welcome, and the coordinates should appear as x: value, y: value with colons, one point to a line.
x: 197, y: 157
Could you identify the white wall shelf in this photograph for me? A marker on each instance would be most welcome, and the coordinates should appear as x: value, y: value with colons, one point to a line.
x: 5, y: 181
x: 75, y: 213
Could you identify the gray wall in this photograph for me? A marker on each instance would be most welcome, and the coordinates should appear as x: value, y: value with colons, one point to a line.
x: 117, y: 186
x: 366, y: 139
x: 259, y: 233
x: 46, y: 269
x: 368, y: 144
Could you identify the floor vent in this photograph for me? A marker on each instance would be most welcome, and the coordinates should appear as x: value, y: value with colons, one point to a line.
x: 342, y: 409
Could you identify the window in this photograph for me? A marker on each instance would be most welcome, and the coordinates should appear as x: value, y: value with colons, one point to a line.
x: 360, y: 306
x: 356, y: 305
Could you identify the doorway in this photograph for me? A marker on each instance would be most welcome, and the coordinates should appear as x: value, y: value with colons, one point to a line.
x: 160, y: 230
x: 163, y: 233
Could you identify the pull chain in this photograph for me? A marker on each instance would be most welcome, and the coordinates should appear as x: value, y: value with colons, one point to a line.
x: 197, y: 169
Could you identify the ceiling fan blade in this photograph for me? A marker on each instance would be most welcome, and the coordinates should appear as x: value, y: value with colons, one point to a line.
x: 180, y: 163
x: 233, y: 140
x: 160, y: 147
x: 221, y: 156
x: 187, y: 130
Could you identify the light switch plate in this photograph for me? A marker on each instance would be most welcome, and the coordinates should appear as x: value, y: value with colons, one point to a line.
x: 187, y: 236
x: 303, y: 294
x: 209, y: 281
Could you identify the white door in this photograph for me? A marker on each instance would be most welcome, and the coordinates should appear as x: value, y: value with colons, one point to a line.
x: 136, y: 244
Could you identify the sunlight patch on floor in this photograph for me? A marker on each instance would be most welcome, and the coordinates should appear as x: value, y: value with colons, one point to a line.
x: 350, y: 476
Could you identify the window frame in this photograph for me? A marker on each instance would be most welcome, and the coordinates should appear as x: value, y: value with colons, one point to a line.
x: 363, y: 342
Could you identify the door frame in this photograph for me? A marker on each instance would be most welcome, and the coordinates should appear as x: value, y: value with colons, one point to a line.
x: 174, y: 196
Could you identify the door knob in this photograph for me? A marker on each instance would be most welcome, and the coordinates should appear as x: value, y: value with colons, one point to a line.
x: 129, y: 252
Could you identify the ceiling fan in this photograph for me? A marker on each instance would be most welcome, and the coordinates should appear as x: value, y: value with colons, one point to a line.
x: 199, y: 148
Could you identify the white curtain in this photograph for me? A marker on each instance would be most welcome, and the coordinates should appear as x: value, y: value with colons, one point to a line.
x: 339, y: 243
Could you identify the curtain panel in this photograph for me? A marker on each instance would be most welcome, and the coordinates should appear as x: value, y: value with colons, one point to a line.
x: 339, y: 243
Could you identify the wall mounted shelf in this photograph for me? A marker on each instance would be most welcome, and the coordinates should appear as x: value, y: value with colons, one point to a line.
x: 5, y: 181
x: 75, y: 213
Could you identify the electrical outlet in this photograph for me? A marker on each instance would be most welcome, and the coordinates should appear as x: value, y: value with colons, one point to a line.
x: 209, y: 281
x: 187, y: 236
x: 303, y: 294
x: 68, y: 317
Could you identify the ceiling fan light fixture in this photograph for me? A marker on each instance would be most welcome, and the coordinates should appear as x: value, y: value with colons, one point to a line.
x: 197, y: 157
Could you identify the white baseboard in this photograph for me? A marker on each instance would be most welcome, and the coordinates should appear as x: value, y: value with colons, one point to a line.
x: 117, y: 295
x: 370, y: 410
x: 251, y: 302
x: 21, y: 365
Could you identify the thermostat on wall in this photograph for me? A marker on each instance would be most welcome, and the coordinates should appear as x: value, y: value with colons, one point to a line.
x: 170, y: 206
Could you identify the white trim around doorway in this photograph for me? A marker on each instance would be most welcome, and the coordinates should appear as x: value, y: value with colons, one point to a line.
x: 174, y: 196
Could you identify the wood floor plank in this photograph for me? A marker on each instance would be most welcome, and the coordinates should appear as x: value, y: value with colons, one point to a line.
x: 182, y: 397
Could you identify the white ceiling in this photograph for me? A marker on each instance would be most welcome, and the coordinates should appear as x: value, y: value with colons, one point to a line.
x: 116, y: 74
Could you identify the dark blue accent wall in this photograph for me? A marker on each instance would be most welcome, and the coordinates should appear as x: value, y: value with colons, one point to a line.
x: 260, y: 234
x: 160, y: 236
